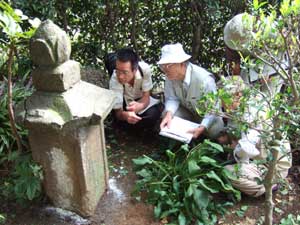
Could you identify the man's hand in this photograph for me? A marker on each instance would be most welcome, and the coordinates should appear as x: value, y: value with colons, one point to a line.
x: 166, y: 120
x: 134, y: 106
x: 132, y: 118
x: 197, y: 132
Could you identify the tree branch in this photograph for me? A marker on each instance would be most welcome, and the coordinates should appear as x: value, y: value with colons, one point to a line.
x: 10, y: 96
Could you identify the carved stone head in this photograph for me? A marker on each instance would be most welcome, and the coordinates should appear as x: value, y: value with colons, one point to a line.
x: 50, y: 45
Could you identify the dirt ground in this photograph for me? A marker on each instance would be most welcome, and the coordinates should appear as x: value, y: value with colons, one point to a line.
x: 117, y: 207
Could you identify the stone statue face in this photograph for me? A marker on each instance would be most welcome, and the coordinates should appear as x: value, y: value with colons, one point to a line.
x: 50, y: 46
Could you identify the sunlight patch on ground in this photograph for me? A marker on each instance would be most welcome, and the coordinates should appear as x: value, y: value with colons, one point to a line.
x: 119, y: 194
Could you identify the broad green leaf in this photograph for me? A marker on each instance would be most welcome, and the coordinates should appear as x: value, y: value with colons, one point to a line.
x: 181, y: 219
x: 228, y: 174
x: 208, y: 188
x: 9, y: 25
x: 226, y: 187
x: 190, y: 190
x: 240, y: 213
x: 2, y: 219
x: 32, y: 189
x: 278, y: 210
x: 201, y: 198
x: 208, y: 160
x: 176, y: 184
x: 255, y: 4
x: 160, y: 192
x: 193, y: 167
x: 205, y: 216
x: 142, y: 161
x: 296, y: 6
x: 214, y: 145
x: 199, y: 223
x: 170, y: 154
x: 285, y: 7
x: 5, y: 141
x: 244, y: 207
x: 211, y: 174
x: 168, y: 212
x: 185, y: 147
x: 157, y: 210
x: 144, y: 173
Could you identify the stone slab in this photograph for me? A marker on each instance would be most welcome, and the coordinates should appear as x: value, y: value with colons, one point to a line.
x: 58, y: 79
x: 83, y: 101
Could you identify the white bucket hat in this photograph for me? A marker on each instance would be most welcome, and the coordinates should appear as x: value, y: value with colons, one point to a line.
x: 237, y: 31
x: 173, y: 53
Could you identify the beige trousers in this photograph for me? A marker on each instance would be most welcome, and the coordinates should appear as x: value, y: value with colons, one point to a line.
x: 249, y: 179
x: 250, y: 176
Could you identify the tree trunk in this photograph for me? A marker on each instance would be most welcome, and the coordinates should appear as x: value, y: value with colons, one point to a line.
x: 111, y: 17
x: 133, y: 12
x: 197, y: 30
x: 196, y: 45
x: 269, y: 204
x: 61, y: 8
x: 271, y: 174
x: 10, y: 98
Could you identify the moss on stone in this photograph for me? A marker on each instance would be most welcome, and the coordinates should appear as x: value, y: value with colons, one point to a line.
x: 61, y: 108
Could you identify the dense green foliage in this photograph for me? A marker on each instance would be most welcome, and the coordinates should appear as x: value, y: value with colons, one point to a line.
x: 97, y: 27
x: 20, y: 176
x: 183, y: 186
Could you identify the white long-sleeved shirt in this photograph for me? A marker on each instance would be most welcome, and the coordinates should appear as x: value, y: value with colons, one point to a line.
x: 197, y: 83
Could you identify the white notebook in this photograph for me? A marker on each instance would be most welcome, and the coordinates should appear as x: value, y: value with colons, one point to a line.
x: 152, y: 102
x: 178, y: 130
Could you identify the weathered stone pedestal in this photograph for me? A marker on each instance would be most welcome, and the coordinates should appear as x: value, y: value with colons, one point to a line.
x: 64, y: 117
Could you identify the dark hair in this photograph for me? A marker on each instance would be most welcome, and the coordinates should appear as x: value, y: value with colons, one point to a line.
x: 128, y: 54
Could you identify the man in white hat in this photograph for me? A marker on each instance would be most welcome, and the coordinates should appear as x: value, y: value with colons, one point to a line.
x: 249, y: 175
x: 185, y: 84
x: 237, y: 36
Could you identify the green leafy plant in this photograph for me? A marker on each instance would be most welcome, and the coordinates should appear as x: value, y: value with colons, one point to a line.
x: 24, y: 182
x: 183, y: 186
x: 2, y: 218
x: 290, y: 220
x: 242, y: 211
x: 20, y: 177
x: 19, y: 94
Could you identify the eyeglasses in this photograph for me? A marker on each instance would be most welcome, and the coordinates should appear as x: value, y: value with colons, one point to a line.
x: 120, y: 72
x: 165, y: 66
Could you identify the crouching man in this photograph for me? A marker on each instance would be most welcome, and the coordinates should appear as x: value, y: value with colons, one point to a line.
x: 250, y: 146
x: 131, y: 81
x: 185, y: 84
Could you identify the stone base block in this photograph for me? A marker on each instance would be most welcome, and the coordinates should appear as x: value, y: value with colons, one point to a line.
x: 57, y: 79
x: 74, y: 164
